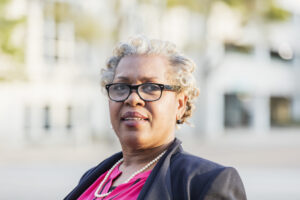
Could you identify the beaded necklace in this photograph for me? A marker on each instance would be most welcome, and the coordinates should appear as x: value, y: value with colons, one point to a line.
x: 133, y: 175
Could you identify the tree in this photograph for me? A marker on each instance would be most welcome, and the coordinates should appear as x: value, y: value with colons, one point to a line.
x: 11, y: 54
x: 86, y: 27
x: 7, y: 28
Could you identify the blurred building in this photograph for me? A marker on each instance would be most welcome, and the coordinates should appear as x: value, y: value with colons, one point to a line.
x: 248, y: 73
x: 252, y: 80
x: 61, y: 101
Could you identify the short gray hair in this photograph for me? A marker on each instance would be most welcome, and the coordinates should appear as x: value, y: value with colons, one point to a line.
x: 181, y: 67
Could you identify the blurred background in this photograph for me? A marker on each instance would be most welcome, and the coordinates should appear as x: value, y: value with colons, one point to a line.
x: 54, y: 122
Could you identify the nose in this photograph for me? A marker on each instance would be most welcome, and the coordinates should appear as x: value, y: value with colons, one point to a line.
x: 134, y: 99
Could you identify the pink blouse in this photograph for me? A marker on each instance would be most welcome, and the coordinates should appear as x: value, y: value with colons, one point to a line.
x: 128, y: 191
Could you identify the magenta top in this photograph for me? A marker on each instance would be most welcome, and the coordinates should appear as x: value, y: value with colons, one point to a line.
x: 128, y: 191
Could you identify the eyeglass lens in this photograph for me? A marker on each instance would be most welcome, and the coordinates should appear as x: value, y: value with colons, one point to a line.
x: 148, y: 92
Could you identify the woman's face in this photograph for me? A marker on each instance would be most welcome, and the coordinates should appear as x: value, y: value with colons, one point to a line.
x: 158, y: 117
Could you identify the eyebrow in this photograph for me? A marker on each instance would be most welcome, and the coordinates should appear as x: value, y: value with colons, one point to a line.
x: 126, y: 79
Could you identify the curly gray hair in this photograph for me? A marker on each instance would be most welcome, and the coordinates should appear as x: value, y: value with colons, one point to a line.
x: 181, y: 67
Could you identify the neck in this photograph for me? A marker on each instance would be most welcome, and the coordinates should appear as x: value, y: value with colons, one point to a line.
x: 136, y: 157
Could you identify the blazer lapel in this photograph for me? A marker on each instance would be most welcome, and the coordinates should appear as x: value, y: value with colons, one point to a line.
x: 158, y: 184
x: 91, y: 176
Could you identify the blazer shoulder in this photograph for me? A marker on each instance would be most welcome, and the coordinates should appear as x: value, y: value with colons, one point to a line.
x: 183, y: 161
x: 91, y: 175
x: 192, y: 176
x: 227, y: 185
x: 101, y: 167
x: 86, y: 174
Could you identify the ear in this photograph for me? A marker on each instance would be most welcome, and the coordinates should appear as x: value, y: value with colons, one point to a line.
x: 181, y: 105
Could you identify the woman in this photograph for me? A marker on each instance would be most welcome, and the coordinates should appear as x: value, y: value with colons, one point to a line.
x: 151, y: 89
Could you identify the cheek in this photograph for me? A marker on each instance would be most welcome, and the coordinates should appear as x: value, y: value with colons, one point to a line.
x: 113, y: 111
x: 165, y: 112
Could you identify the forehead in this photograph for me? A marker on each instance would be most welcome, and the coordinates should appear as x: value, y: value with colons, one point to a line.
x: 142, y: 67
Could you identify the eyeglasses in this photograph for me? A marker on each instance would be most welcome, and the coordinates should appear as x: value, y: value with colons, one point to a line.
x: 147, y: 91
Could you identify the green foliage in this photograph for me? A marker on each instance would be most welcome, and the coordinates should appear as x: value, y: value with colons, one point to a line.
x: 267, y: 9
x: 244, y: 6
x: 232, y: 47
x: 3, y: 4
x: 235, y: 3
x: 86, y: 27
x: 194, y: 5
x: 60, y: 11
x: 8, y: 49
x: 7, y: 27
x: 275, y: 13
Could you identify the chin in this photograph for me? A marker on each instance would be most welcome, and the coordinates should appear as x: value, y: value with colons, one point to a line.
x: 134, y: 139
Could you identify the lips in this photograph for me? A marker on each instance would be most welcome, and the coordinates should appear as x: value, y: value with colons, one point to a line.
x: 133, y: 116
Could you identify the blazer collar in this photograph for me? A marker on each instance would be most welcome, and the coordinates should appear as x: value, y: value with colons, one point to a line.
x: 92, y: 175
x: 158, y: 183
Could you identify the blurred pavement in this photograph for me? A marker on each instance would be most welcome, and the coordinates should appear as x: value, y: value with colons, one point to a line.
x: 270, y: 168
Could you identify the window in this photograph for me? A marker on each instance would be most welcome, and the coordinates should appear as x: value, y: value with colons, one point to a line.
x: 47, y: 122
x: 27, y: 121
x: 58, y: 32
x: 69, y: 123
x: 238, y: 48
x: 237, y: 110
x: 280, y: 108
x: 283, y: 52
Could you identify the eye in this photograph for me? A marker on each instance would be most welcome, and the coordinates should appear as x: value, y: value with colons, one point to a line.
x: 119, y: 87
x: 150, y: 88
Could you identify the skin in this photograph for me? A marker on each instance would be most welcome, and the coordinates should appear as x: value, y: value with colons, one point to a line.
x: 146, y: 139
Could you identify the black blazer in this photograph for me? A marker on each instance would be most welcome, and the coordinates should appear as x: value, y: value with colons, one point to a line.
x: 179, y: 176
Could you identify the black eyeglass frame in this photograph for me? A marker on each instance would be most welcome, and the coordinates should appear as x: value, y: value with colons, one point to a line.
x: 174, y: 88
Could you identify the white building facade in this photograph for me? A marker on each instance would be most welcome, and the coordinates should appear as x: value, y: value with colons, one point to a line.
x: 249, y: 77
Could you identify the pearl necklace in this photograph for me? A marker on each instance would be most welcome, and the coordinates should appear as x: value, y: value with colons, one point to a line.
x: 133, y: 175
